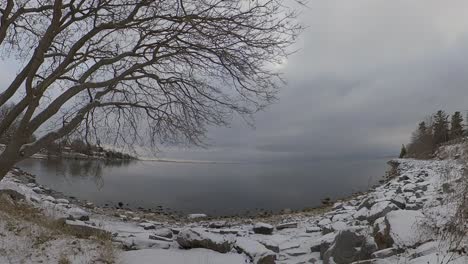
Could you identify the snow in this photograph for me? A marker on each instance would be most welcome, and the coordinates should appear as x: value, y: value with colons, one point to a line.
x: 193, y: 256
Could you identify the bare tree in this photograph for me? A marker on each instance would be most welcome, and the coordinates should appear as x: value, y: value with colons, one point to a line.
x: 133, y: 69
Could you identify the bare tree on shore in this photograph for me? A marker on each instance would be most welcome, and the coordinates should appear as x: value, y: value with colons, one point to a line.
x: 132, y: 69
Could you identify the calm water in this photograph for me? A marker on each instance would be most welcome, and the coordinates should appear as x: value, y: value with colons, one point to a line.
x: 217, y: 189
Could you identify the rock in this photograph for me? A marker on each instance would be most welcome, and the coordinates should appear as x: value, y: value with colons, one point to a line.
x: 297, y: 252
x: 313, y: 229
x: 37, y: 190
x: 385, y: 253
x: 337, y: 206
x: 62, y: 201
x: 147, y: 226
x: 325, y: 243
x: 288, y: 246
x: 381, y: 209
x: 138, y: 243
x: 31, y: 185
x: 425, y: 249
x: 380, y: 234
x: 404, y: 229
x: 218, y: 224
x: 271, y: 245
x: 338, y: 226
x: 76, y: 213
x: 198, y: 238
x: 163, y: 232
x: 399, y: 201
x: 366, y: 203
x: 409, y: 187
x: 361, y: 214
x: 263, y: 228
x: 175, y: 230
x: 160, y: 238
x: 50, y: 199
x: 196, y: 216
x: 286, y: 225
x: 258, y: 253
x: 413, y: 206
x: 324, y: 222
x: 349, y: 246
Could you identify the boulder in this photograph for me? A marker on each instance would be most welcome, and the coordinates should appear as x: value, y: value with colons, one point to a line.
x: 381, y: 209
x: 325, y: 242
x: 163, y: 232
x: 218, y: 224
x: 147, y: 226
x: 198, y: 238
x: 263, y: 228
x: 271, y: 245
x: 349, y: 246
x: 76, y: 213
x: 338, y: 226
x: 257, y: 252
x: 399, y: 201
x: 361, y: 214
x: 405, y: 229
x: 380, y: 233
x: 313, y: 229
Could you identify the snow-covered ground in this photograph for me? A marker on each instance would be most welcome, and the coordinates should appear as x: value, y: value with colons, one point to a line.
x: 405, y: 220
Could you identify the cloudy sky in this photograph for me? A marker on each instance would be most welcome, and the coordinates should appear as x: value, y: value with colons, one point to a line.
x: 366, y: 73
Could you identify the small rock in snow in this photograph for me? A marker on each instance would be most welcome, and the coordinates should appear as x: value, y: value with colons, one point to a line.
x: 286, y: 225
x: 263, y: 228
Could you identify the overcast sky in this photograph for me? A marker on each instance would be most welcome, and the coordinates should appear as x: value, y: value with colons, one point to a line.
x: 367, y: 72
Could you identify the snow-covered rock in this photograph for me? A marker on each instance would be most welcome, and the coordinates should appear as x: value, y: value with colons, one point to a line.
x: 349, y: 246
x: 258, y: 253
x: 263, y: 228
x: 199, y: 238
x: 163, y: 232
x: 286, y: 225
x: 405, y: 229
x: 381, y: 209
x: 76, y: 213
x: 194, y: 256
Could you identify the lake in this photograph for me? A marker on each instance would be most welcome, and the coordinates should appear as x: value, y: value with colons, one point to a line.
x: 214, y: 189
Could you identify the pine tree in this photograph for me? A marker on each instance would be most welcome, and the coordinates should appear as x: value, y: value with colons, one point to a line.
x: 422, y: 144
x: 456, y: 126
x: 402, y: 151
x: 441, y: 127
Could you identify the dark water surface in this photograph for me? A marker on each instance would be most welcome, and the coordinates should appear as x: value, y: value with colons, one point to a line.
x: 216, y: 189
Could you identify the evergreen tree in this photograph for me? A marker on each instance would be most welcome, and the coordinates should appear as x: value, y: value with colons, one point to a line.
x: 402, y: 151
x: 421, y: 145
x: 441, y: 128
x: 456, y: 126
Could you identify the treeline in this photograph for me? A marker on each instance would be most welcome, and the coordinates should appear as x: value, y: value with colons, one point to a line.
x: 433, y: 131
x: 70, y: 146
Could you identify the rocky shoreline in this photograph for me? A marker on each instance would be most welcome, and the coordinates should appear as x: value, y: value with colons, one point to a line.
x: 400, y: 221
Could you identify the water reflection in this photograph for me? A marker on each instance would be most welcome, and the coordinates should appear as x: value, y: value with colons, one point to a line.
x: 87, y: 169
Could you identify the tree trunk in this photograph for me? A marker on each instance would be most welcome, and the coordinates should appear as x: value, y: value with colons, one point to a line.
x: 8, y: 159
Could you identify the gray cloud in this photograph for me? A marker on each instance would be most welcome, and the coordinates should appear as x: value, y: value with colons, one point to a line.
x: 366, y: 73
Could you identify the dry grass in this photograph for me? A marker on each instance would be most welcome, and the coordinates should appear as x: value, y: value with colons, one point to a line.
x: 24, y: 220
